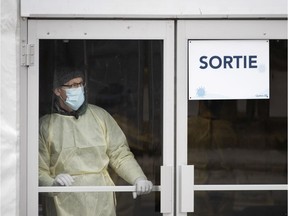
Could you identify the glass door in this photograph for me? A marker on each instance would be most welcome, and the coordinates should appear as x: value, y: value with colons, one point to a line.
x: 122, y: 130
x: 230, y: 153
x: 231, y: 150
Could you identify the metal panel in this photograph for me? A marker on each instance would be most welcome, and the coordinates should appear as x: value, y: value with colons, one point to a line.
x: 23, y: 126
x: 187, y: 188
x: 154, y: 9
x: 166, y: 192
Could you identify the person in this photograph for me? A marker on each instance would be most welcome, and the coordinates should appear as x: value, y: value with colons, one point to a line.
x: 77, y: 143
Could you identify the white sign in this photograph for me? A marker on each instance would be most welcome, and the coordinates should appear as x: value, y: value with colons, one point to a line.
x: 228, y: 69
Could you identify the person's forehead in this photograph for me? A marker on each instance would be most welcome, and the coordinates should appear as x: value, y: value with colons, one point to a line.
x: 74, y: 80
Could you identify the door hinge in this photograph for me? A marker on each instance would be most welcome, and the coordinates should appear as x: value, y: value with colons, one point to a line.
x: 27, y: 55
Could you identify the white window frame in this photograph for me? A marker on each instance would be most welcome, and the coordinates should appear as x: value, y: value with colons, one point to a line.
x: 201, y: 30
x: 92, y: 29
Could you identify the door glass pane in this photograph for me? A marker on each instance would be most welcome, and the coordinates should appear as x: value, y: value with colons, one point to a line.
x: 125, y: 78
x: 242, y: 141
x: 247, y: 203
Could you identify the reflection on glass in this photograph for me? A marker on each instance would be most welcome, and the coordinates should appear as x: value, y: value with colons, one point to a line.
x: 126, y: 205
x: 124, y: 78
x: 248, y: 203
x: 242, y: 142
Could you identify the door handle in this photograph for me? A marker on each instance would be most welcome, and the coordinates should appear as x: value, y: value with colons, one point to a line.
x: 166, y: 189
x: 187, y: 188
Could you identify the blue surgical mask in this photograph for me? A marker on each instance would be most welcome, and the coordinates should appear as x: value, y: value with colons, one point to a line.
x: 75, y: 97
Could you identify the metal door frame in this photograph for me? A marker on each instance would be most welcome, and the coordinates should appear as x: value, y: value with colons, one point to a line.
x: 201, y: 30
x: 34, y: 29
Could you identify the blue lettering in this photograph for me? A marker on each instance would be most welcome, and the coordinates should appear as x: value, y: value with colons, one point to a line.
x: 219, y: 62
x: 252, y: 60
x: 227, y: 61
x: 237, y: 60
x: 203, y: 62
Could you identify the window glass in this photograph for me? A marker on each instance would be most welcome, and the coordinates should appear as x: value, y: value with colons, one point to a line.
x: 242, y: 142
x: 124, y: 78
x: 240, y: 203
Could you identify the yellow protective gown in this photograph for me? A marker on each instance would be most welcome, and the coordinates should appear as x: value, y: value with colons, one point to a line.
x: 84, y: 148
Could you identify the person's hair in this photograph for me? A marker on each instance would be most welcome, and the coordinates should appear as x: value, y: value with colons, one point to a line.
x: 63, y: 74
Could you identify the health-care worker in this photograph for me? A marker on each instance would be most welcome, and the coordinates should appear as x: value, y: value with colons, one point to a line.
x: 77, y: 143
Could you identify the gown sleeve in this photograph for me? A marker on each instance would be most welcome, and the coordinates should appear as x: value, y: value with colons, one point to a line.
x: 44, y: 154
x: 121, y: 158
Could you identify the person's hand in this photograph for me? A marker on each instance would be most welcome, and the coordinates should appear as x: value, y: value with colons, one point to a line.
x: 63, y: 180
x: 143, y: 186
